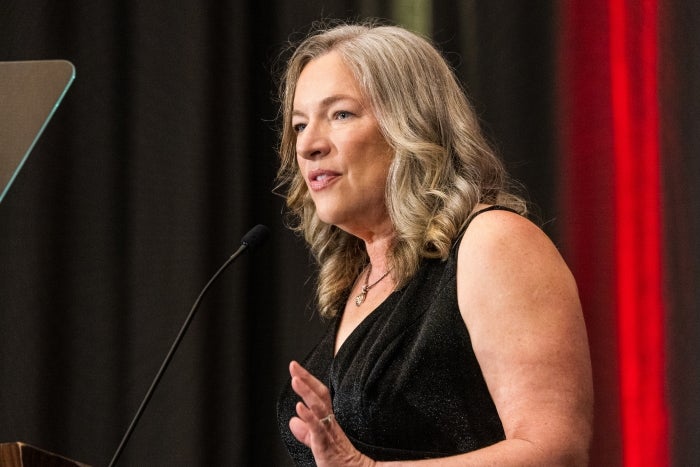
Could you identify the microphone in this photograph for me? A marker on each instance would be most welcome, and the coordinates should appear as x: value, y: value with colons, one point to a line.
x: 251, y: 240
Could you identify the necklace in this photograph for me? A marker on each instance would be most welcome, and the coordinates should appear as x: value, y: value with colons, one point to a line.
x: 365, y: 288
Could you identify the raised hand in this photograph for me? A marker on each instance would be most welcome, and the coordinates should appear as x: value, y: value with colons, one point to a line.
x: 316, y: 426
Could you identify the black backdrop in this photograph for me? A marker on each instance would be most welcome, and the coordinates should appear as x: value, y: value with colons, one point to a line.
x: 159, y: 159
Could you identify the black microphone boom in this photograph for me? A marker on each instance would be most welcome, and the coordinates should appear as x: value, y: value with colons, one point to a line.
x: 251, y: 240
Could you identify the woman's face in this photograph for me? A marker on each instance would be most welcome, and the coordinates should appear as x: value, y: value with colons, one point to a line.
x: 342, y: 155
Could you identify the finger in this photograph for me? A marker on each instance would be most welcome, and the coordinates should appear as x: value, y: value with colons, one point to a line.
x: 305, y: 414
x: 314, y: 393
x: 318, y: 405
x: 300, y: 430
x: 309, y: 429
x: 295, y: 369
x: 320, y: 437
x: 320, y: 429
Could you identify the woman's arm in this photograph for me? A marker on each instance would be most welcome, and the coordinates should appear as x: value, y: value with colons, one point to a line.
x: 521, y: 307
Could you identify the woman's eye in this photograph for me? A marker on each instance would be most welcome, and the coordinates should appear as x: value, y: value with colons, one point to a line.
x: 342, y: 115
x: 299, y: 127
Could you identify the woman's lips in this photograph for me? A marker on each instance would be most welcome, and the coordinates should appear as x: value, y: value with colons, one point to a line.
x: 320, y: 179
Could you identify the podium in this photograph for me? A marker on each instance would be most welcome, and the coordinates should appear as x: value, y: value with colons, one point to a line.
x: 24, y: 455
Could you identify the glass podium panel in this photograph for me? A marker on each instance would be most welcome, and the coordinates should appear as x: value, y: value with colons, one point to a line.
x: 30, y: 93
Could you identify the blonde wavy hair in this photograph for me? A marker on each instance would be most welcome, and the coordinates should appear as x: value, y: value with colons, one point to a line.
x: 442, y: 164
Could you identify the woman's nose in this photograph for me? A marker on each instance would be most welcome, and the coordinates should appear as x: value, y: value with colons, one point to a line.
x: 312, y: 141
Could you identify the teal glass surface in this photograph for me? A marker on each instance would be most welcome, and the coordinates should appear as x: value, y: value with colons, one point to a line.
x: 30, y: 92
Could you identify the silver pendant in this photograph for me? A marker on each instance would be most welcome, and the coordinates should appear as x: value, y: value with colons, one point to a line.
x: 360, y: 298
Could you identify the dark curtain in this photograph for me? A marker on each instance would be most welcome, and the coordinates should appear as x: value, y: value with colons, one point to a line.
x: 162, y: 156
x: 680, y: 147
x: 159, y: 159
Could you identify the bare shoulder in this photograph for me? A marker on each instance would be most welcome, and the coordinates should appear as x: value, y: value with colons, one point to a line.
x: 508, y: 250
x: 509, y: 268
x: 497, y: 231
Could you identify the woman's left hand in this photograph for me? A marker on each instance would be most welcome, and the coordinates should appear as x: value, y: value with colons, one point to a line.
x: 316, y: 426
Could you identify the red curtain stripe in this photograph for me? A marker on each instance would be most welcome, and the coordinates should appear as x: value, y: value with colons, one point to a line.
x: 633, y: 52
x: 611, y: 195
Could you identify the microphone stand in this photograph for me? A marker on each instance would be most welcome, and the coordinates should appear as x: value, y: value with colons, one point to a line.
x: 254, y: 237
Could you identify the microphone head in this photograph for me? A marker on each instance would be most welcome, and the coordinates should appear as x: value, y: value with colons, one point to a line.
x: 255, y: 236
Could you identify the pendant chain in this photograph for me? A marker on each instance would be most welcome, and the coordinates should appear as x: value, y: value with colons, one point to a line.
x: 360, y: 298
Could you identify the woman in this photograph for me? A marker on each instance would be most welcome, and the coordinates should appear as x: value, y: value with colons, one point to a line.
x: 457, y: 336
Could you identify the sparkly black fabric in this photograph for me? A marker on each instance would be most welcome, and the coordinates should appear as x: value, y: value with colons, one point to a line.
x: 406, y: 383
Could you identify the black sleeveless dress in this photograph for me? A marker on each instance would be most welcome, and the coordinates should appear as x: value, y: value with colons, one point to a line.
x: 406, y: 383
